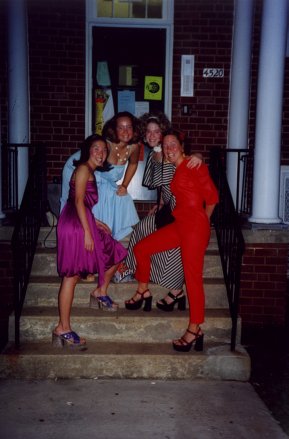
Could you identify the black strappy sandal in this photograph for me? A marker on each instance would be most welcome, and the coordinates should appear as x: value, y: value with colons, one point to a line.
x: 182, y: 345
x: 133, y: 304
x: 180, y: 299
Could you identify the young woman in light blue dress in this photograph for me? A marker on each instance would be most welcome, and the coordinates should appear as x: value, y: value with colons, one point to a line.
x: 115, y: 207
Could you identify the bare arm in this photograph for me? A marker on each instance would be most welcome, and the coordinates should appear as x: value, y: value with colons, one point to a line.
x: 209, y: 210
x: 130, y: 170
x: 81, y: 178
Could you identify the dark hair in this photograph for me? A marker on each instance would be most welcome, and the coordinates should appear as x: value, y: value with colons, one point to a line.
x: 158, y: 117
x: 180, y: 135
x: 85, y: 152
x: 109, y: 129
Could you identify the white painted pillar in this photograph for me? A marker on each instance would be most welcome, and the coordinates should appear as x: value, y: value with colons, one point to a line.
x: 239, y: 89
x: 18, y: 87
x: 269, y: 112
x: 2, y: 214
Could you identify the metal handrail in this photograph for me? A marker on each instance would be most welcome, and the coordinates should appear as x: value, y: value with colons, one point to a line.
x: 230, y: 238
x: 26, y: 231
x: 9, y: 158
x: 244, y: 177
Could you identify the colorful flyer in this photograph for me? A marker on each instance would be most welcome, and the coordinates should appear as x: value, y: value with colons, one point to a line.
x: 153, y: 88
x: 126, y: 101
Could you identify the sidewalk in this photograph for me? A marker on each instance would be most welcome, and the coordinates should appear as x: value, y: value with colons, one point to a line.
x: 133, y: 409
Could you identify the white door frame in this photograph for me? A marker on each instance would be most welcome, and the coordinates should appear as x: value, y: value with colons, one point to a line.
x: 166, y: 23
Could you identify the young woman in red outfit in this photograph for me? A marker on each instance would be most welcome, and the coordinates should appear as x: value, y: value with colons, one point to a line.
x: 196, y: 197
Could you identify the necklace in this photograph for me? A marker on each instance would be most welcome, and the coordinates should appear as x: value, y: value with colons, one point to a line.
x: 157, y: 148
x: 124, y: 157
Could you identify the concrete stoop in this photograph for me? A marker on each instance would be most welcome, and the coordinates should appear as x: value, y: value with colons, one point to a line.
x: 123, y: 344
x: 43, y: 291
x: 124, y: 360
x: 135, y: 326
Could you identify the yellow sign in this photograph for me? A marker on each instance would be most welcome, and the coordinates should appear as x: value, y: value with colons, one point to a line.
x: 153, y: 88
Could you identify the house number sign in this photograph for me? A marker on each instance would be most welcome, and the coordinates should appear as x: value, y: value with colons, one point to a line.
x: 213, y: 73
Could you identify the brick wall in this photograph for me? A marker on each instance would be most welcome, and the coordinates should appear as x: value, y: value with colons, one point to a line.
x: 57, y: 69
x: 263, y: 294
x: 57, y: 74
x: 204, y: 29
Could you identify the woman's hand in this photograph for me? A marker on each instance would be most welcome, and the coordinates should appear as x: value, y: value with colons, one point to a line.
x: 153, y: 210
x: 121, y: 190
x: 88, y: 241
x: 195, y: 161
x: 103, y: 226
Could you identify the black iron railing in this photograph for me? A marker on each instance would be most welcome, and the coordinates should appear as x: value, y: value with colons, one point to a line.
x: 230, y: 238
x: 9, y: 161
x: 28, y: 221
x: 243, y: 159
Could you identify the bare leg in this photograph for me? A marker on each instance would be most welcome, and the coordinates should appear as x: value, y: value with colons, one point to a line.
x: 99, y: 297
x: 102, y: 290
x: 65, y: 299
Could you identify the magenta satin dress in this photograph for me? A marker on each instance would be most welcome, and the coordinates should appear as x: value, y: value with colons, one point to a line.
x: 72, y: 258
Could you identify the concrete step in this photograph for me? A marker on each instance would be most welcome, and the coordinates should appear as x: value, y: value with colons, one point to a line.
x: 125, y: 360
x: 43, y: 291
x: 37, y: 324
x: 44, y: 263
x: 47, y: 238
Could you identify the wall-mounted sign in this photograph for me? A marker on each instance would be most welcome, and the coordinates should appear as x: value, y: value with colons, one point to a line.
x: 153, y: 88
x: 187, y: 75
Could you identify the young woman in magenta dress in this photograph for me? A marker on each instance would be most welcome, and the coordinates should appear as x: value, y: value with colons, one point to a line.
x: 85, y: 244
x: 196, y: 197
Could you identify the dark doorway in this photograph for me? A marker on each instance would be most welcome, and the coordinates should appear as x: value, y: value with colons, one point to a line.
x: 142, y: 48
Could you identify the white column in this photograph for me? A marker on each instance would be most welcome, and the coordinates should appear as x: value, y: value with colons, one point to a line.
x: 239, y: 88
x: 2, y: 214
x: 269, y: 112
x: 18, y: 88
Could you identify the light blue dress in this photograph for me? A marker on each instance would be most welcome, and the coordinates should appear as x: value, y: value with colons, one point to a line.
x: 118, y: 212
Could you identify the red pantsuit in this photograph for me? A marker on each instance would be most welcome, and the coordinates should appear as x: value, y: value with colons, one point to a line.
x: 193, y: 188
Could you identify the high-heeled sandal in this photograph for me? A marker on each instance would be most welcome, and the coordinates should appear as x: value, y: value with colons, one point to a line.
x: 70, y: 339
x: 133, y: 304
x: 182, y: 345
x: 103, y: 302
x: 180, y: 299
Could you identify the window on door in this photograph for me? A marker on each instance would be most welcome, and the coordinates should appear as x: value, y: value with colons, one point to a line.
x: 129, y: 8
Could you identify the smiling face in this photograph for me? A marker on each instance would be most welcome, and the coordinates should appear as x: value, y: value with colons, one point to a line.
x: 153, y: 134
x: 98, y: 153
x: 124, y: 129
x: 173, y: 149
